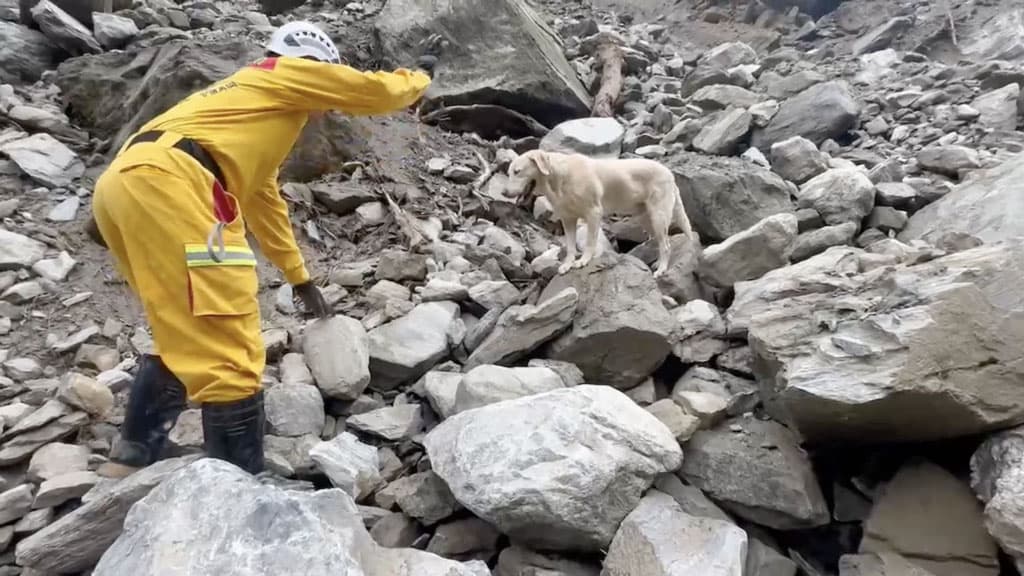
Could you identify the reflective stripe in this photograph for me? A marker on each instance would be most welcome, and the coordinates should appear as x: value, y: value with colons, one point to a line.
x: 196, y: 256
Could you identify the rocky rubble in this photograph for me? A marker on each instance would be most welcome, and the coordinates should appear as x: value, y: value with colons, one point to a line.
x: 771, y: 405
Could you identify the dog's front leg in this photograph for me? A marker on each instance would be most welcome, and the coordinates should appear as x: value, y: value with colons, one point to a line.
x: 591, y: 249
x: 569, y: 225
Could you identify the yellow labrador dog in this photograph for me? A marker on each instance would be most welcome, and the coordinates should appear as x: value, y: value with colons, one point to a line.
x: 584, y: 188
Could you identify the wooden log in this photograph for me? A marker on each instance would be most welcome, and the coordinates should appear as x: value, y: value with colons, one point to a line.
x: 612, y: 62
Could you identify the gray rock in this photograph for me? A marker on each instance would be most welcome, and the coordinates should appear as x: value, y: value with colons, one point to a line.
x: 20, y: 370
x: 45, y: 159
x: 404, y: 349
x: 722, y: 96
x: 342, y: 198
x: 947, y: 540
x: 396, y: 530
x: 464, y: 537
x: 294, y: 371
x: 55, y: 269
x: 620, y: 332
x: 527, y: 73
x: 679, y: 423
x: 522, y: 329
x: 34, y: 521
x: 757, y: 472
x: 517, y: 561
x: 390, y: 423
x: 25, y: 54
x: 423, y: 496
x: 291, y: 454
x: 23, y: 292
x: 680, y: 280
x: 884, y: 564
x: 658, y: 539
x: 17, y: 251
x: 491, y: 294
x: 15, y: 503
x: 882, y: 36
x: 294, y: 410
x: 187, y: 435
x: 863, y: 364
x: 64, y: 29
x: 487, y: 384
x: 763, y: 560
x: 441, y: 389
x: 689, y: 498
x: 817, y: 241
x: 997, y: 477
x: 782, y: 87
x: 823, y: 111
x: 948, y: 160
x: 750, y: 254
x: 76, y: 541
x: 578, y: 497
x: 400, y: 265
x: 723, y: 134
x: 728, y: 55
x: 998, y: 108
x: 985, y: 207
x: 896, y: 194
x: 724, y: 196
x: 65, y: 211
x: 594, y: 137
x: 349, y: 464
x: 887, y: 219
x: 698, y: 333
x: 839, y: 195
x: 797, y: 159
x: 740, y: 395
x: 188, y: 510
x: 337, y: 352
x: 57, y: 459
x: 22, y: 446
x: 113, y: 31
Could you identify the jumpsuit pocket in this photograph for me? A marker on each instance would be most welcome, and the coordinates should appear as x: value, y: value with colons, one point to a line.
x: 225, y: 288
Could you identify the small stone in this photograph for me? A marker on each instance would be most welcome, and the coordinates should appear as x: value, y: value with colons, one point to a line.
x: 463, y: 537
x: 350, y: 465
x: 294, y: 411
x: 65, y: 211
x: 492, y: 294
x: 99, y: 357
x: 437, y: 166
x: 423, y: 496
x: 294, y: 371
x: 651, y: 151
x: 681, y: 424
x: 23, y: 292
x: 391, y: 423
x: 709, y: 408
x: 437, y: 290
x: 887, y: 219
x: 399, y: 265
x: 396, y: 530
x: 386, y: 290
x: 75, y: 340
x: 113, y: 31
x: 34, y: 521
x: 459, y: 174
x: 87, y: 394
x: 187, y: 434
x: 948, y: 160
x: 22, y: 369
x: 55, y: 269
x: 15, y: 503
x: 56, y: 459
x: 797, y: 159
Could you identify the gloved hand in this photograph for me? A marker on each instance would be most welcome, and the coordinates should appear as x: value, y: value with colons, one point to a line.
x: 312, y: 299
x: 426, y: 63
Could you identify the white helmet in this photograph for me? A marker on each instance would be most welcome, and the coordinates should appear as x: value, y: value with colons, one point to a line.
x: 299, y: 39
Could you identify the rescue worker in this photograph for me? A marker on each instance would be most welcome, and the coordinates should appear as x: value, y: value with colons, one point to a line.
x: 173, y: 208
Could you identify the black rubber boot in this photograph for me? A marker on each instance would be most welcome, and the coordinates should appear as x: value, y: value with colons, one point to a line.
x: 155, y: 400
x: 233, y: 431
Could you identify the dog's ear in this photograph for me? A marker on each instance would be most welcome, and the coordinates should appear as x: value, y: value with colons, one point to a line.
x: 541, y: 160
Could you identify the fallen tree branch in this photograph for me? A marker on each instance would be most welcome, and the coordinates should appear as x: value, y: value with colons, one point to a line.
x: 612, y: 61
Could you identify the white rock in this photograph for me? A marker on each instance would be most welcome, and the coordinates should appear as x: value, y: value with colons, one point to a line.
x: 337, y: 351
x: 839, y: 195
x: 17, y: 251
x: 45, y: 159
x: 55, y: 269
x: 350, y: 464
x: 571, y: 498
x: 294, y: 410
x: 486, y: 384
x: 441, y: 389
x: 391, y: 423
x: 113, y: 31
x: 750, y: 254
x: 594, y: 137
x: 65, y: 211
x: 406, y: 348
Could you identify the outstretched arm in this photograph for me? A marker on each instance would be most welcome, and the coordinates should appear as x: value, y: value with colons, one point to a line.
x: 266, y: 215
x: 317, y: 86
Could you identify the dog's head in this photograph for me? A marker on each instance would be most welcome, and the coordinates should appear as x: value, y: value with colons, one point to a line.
x: 525, y: 171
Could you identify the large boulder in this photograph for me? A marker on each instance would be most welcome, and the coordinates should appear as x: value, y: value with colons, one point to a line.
x: 337, y: 352
x: 231, y: 523
x: 990, y: 206
x: 522, y: 329
x: 930, y: 517
x: 406, y: 348
x: 823, y: 111
x: 659, y: 539
x: 519, y: 464
x: 761, y: 248
x: 758, y: 472
x: 80, y: 10
x: 115, y: 93
x: 64, y: 29
x: 724, y: 196
x: 619, y: 335
x: 997, y: 477
x: 24, y: 54
x: 498, y: 52
x: 594, y: 137
x: 998, y: 108
x: 839, y: 195
x: 914, y: 353
x: 485, y: 385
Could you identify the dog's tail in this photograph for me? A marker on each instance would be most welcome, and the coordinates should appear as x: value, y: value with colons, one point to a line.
x: 680, y: 218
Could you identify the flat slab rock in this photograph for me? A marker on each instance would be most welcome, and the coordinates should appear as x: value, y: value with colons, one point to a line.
x: 406, y: 348
x: 230, y: 523
x: 936, y: 358
x: 519, y: 465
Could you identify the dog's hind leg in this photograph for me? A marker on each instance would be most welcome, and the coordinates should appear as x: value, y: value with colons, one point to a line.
x: 679, y: 217
x: 569, y: 226
x: 659, y: 215
x: 591, y: 248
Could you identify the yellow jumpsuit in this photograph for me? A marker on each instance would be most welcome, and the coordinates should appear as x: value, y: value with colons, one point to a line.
x: 154, y: 208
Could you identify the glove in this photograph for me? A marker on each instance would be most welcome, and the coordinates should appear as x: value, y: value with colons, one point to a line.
x: 426, y: 63
x: 312, y: 299
x: 93, y: 231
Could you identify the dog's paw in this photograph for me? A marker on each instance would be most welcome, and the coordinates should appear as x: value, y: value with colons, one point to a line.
x: 582, y: 262
x: 565, y: 267
x: 659, y: 273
